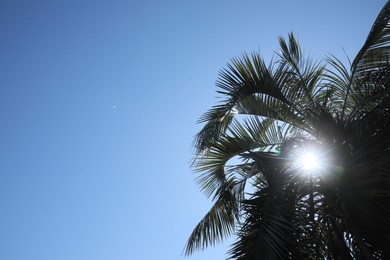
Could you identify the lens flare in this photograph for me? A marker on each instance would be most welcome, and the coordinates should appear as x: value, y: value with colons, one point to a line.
x: 309, y: 161
x: 310, y: 158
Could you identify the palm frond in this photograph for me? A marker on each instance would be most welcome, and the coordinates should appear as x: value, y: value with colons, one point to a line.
x: 217, y: 224
x: 275, y: 88
x: 376, y: 50
x: 267, y: 231
x: 271, y: 113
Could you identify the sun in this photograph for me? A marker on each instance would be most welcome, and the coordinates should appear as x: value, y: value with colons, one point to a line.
x: 309, y: 161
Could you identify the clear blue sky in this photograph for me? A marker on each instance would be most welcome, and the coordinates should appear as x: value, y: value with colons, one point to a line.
x: 98, y: 104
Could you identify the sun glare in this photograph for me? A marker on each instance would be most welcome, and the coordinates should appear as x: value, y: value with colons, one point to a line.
x: 309, y: 161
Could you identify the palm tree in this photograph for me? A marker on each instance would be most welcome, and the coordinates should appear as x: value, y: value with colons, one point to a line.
x: 251, y: 155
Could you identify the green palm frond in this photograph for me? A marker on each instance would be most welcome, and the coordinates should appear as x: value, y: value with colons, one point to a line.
x: 267, y: 232
x: 244, y: 78
x: 217, y: 224
x: 267, y: 117
x: 248, y: 75
x: 275, y: 88
x: 242, y: 138
x: 338, y: 80
x: 217, y: 121
x: 376, y: 50
x: 225, y: 183
x: 305, y: 73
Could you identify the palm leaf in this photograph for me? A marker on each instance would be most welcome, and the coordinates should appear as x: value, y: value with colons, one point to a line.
x: 376, y: 50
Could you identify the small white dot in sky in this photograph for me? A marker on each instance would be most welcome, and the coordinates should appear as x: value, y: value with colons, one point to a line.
x: 113, y: 107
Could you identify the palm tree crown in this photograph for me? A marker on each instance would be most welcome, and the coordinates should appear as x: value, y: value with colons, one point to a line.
x: 253, y: 150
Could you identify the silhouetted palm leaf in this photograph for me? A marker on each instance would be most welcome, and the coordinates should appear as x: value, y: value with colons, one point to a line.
x: 271, y: 114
